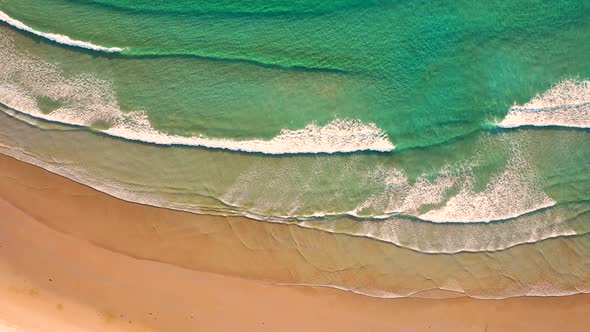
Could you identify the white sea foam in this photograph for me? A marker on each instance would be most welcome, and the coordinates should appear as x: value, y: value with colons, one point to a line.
x: 567, y: 104
x: 398, y: 196
x: 86, y: 100
x: 514, y: 192
x: 340, y: 135
x: 279, y: 190
x: 510, y: 194
x: 539, y: 290
x: 468, y: 237
x: 61, y: 39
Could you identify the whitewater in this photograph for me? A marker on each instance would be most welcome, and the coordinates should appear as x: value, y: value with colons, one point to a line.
x: 448, y: 238
x: 566, y: 104
x: 97, y: 104
x: 61, y: 39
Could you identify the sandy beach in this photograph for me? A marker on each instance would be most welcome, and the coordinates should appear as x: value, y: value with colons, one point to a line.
x: 74, y: 259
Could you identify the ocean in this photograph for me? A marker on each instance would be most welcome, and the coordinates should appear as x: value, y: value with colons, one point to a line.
x: 453, y: 130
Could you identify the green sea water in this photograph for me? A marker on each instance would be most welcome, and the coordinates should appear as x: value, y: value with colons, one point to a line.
x: 423, y: 72
x: 441, y: 127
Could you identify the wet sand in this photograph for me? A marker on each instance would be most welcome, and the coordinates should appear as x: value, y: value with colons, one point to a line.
x: 74, y: 259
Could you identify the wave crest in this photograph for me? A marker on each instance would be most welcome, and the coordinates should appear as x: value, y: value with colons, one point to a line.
x: 513, y: 193
x: 88, y: 101
x: 61, y: 39
x: 340, y: 135
x: 566, y: 104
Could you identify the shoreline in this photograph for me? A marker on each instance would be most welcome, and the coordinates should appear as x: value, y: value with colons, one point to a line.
x: 126, y: 267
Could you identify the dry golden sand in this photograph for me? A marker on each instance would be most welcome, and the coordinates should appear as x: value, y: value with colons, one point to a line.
x: 74, y: 259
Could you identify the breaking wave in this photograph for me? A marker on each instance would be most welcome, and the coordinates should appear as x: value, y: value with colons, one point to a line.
x: 90, y: 102
x: 566, y: 104
x: 61, y: 39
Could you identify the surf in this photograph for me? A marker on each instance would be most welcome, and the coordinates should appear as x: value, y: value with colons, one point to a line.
x: 403, y: 232
x: 566, y: 104
x: 60, y: 39
x: 338, y: 136
x: 95, y: 106
x: 150, y: 53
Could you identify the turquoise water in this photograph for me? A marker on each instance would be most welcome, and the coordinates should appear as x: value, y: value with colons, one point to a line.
x: 441, y: 127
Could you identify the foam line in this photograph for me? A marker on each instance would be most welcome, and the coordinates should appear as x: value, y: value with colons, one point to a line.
x: 340, y: 135
x: 85, y: 100
x: 61, y: 39
x: 566, y: 104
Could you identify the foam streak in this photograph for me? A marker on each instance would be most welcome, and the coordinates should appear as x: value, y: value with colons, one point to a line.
x: 86, y: 100
x: 567, y: 104
x: 61, y: 39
